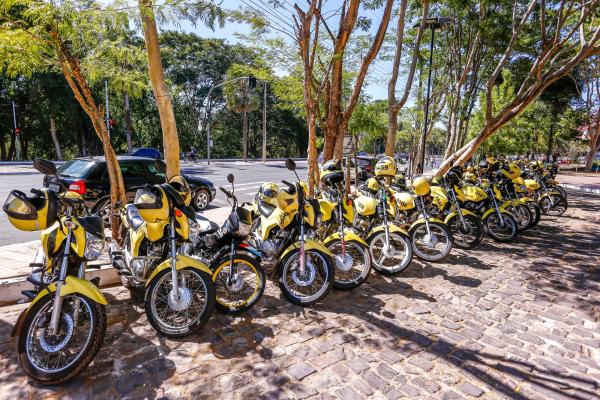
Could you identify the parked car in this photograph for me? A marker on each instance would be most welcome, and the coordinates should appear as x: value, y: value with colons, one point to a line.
x: 149, y: 152
x: 367, y: 165
x: 89, y: 177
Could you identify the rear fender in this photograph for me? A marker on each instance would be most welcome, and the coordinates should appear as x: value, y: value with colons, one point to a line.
x: 348, y: 235
x: 181, y: 262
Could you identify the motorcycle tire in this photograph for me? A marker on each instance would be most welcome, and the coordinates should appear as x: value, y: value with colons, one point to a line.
x: 286, y: 277
x: 561, y: 190
x: 491, y: 221
x: 95, y: 337
x: 556, y: 208
x: 536, y: 212
x: 397, y: 239
x: 253, y: 274
x: 152, y: 296
x: 354, y: 276
x: 470, y: 237
x: 427, y: 252
x: 522, y: 214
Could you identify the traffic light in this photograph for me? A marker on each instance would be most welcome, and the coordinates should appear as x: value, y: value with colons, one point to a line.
x: 112, y: 122
x: 252, y: 82
x: 17, y: 131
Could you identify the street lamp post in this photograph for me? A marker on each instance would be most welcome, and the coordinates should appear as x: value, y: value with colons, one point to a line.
x: 433, y: 23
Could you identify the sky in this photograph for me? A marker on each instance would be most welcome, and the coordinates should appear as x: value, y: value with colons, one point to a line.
x: 379, y: 71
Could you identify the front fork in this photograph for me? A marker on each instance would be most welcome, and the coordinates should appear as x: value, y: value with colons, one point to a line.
x: 461, y: 217
x: 497, y: 207
x: 54, y: 318
x: 231, y: 263
x: 302, y: 259
x: 174, y: 273
x: 342, y: 238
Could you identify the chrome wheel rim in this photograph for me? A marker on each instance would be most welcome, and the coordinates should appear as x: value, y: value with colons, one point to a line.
x: 502, y: 229
x: 392, y: 258
x: 53, y: 354
x: 354, y: 269
x: 201, y: 200
x: 307, y: 289
x: 433, y: 245
x: 180, y: 318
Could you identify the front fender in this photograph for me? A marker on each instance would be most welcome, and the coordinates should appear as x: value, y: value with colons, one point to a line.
x: 463, y: 211
x: 70, y: 286
x: 309, y: 244
x: 421, y: 221
x: 526, y: 199
x: 181, y: 262
x: 493, y: 210
x: 348, y: 235
x: 392, y: 227
x: 547, y: 194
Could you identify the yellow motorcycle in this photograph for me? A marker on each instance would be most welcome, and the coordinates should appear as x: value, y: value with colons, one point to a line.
x: 352, y: 259
x: 178, y: 291
x: 524, y: 209
x: 389, y: 245
x: 465, y: 226
x: 63, y: 328
x: 551, y: 200
x: 430, y: 237
x: 485, y: 201
x: 304, y: 267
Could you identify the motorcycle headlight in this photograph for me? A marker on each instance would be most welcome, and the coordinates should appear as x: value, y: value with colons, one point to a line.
x: 94, y: 246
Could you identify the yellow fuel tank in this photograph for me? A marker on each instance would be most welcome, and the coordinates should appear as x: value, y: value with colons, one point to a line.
x: 474, y: 193
x: 404, y: 200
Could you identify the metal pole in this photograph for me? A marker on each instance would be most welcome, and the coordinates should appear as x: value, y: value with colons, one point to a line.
x: 264, y: 130
x: 426, y: 122
x: 208, y: 129
x: 107, y: 113
x: 17, y: 142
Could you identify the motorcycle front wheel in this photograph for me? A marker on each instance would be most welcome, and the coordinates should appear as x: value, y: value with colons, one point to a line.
x: 501, y: 230
x: 392, y: 260
x: 244, y: 289
x: 178, y: 317
x: 354, y: 269
x: 555, y: 207
x: 54, y: 359
x: 522, y: 215
x: 310, y: 286
x: 466, y: 236
x: 432, y: 245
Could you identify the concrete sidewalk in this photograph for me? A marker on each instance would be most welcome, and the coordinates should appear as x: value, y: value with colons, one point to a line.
x: 16, y: 259
x: 583, y: 181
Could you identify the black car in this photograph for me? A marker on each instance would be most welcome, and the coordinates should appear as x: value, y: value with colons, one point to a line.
x: 89, y: 177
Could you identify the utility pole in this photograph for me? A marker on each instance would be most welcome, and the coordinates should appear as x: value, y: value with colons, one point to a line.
x: 17, y: 132
x: 264, y: 127
x: 107, y: 114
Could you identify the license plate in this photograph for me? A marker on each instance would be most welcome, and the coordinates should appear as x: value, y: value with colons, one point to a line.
x: 54, y: 187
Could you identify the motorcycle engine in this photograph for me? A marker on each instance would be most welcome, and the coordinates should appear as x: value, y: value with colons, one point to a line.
x: 270, y: 247
x: 361, y: 224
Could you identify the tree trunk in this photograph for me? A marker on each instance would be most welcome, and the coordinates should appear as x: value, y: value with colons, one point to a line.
x: 11, y: 148
x: 57, y: 148
x: 390, y: 142
x: 245, y: 134
x: 2, y: 147
x: 550, y: 142
x: 127, y: 121
x: 313, y: 162
x: 159, y: 87
x: 594, y: 144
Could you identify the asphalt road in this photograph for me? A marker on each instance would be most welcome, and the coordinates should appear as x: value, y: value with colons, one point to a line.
x: 248, y: 177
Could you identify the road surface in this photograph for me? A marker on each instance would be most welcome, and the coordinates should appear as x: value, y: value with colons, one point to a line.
x: 248, y: 177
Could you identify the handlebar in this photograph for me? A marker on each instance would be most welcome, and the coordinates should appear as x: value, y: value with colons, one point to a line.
x: 287, y: 183
x: 36, y: 192
x: 227, y: 192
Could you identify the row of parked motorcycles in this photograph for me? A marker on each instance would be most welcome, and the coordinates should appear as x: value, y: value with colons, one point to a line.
x: 180, y: 265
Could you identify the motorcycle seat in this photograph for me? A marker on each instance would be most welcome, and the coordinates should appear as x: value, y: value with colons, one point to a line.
x: 206, y: 225
x: 133, y: 217
x: 265, y: 209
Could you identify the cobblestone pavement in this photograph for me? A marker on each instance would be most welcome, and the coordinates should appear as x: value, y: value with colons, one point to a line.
x: 504, y: 321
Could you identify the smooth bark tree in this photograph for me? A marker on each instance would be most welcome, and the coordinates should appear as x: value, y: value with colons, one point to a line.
x: 55, y: 140
x: 567, y: 36
x: 394, y: 104
x: 159, y: 88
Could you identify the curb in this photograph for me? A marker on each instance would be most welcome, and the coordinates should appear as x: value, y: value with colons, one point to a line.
x: 10, y: 289
x: 586, y: 189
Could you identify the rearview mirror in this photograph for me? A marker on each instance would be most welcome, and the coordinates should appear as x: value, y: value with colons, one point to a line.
x: 290, y: 164
x: 160, y: 166
x: 230, y: 178
x: 44, y: 166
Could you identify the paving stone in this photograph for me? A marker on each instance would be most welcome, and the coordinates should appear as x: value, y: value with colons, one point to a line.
x: 375, y: 381
x: 471, y: 390
x: 347, y: 393
x: 422, y: 363
x: 426, y: 384
x: 356, y: 365
x: 301, y: 370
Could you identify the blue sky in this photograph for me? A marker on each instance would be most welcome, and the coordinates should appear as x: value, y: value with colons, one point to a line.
x: 379, y: 71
